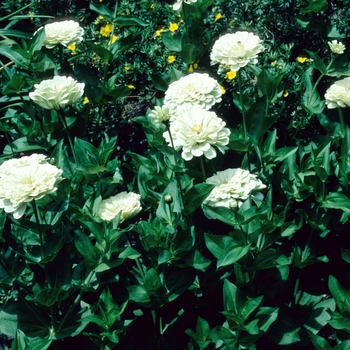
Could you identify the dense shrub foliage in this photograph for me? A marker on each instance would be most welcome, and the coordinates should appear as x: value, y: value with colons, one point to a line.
x: 174, y: 174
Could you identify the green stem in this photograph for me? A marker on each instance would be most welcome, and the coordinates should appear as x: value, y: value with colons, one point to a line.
x: 342, y: 123
x: 242, y: 103
x: 76, y: 301
x: 139, y: 267
x: 63, y: 119
x: 320, y: 77
x: 201, y: 162
x: 37, y: 219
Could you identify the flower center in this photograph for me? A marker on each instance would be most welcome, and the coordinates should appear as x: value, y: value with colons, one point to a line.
x: 238, y: 47
x: 197, y: 128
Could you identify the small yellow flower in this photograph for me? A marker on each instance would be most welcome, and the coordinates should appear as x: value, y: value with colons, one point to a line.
x: 195, y: 65
x: 173, y: 27
x: 171, y: 59
x: 217, y: 17
x: 158, y: 32
x: 231, y: 75
x: 130, y: 86
x: 302, y: 59
x: 286, y: 93
x: 86, y: 100
x: 31, y: 14
x: 190, y: 68
x: 273, y: 63
x: 100, y: 0
x: 152, y: 6
x: 71, y: 47
x: 106, y: 30
x: 223, y: 91
x: 114, y: 39
x: 126, y: 67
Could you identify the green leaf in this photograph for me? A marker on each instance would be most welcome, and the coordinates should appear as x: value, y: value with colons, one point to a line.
x: 188, y: 53
x: 102, y: 10
x: 339, y: 293
x: 36, y: 42
x: 159, y: 82
x: 311, y: 99
x: 317, y: 62
x: 86, y: 249
x: 194, y: 197
x: 173, y: 42
x: 345, y: 254
x: 15, y: 85
x: 105, y: 54
x: 129, y: 253
x: 319, y: 342
x: 232, y: 253
x: 20, y: 57
x: 48, y: 297
x: 255, y: 119
x: 122, y: 21
x: 336, y: 200
x: 315, y: 6
x: 221, y: 213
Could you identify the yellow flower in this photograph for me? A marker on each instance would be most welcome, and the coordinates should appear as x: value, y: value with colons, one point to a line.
x: 217, y: 17
x: 152, y: 6
x: 71, y: 47
x: 301, y: 59
x: 114, y: 39
x: 173, y: 27
x: 195, y: 65
x: 86, y: 100
x: 100, y: 0
x: 273, y: 63
x: 106, y: 30
x: 286, y: 93
x: 127, y: 67
x: 158, y: 32
x: 130, y: 86
x: 171, y: 59
x: 190, y: 68
x: 231, y: 75
x: 223, y: 91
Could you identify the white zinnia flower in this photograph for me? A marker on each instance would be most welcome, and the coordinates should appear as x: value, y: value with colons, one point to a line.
x: 57, y: 93
x: 64, y: 32
x: 336, y: 47
x: 236, y: 50
x: 178, y: 4
x: 338, y: 94
x: 25, y: 179
x: 162, y: 114
x: 194, y: 89
x: 197, y: 130
x: 127, y: 203
x: 232, y: 187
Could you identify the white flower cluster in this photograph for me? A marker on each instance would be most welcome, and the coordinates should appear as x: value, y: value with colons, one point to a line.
x: 178, y: 4
x: 193, y: 127
x: 197, y: 130
x: 196, y: 89
x: 338, y: 94
x: 232, y: 187
x: 57, y: 93
x: 25, y: 179
x: 127, y: 203
x: 236, y: 50
x: 64, y: 33
x: 336, y: 47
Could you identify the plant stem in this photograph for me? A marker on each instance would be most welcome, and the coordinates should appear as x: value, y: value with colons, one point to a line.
x: 201, y: 162
x: 76, y: 301
x: 63, y: 119
x: 342, y: 123
x: 139, y: 267
x: 242, y: 103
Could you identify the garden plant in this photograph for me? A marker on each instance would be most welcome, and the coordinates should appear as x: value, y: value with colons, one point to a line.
x: 175, y: 174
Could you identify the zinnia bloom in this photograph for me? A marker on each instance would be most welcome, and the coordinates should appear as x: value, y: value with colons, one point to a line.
x: 178, y: 4
x: 64, y: 33
x: 25, y: 179
x: 196, y: 89
x: 162, y: 114
x: 197, y: 130
x: 336, y: 47
x: 57, y: 93
x: 338, y: 94
x: 232, y: 187
x: 127, y: 203
x: 236, y: 50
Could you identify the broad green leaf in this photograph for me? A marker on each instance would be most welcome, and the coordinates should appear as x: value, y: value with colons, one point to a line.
x: 86, y: 249
x: 339, y: 293
x: 336, y: 200
x: 255, y: 119
x: 122, y: 21
x: 315, y: 6
x: 232, y: 253
x: 105, y: 54
x: 194, y: 197
x: 319, y: 342
x: 317, y: 62
x: 173, y: 42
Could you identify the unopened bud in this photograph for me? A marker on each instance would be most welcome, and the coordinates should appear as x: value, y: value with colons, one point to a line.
x: 168, y: 198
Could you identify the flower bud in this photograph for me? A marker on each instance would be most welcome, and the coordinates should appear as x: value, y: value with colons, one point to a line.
x: 168, y: 198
